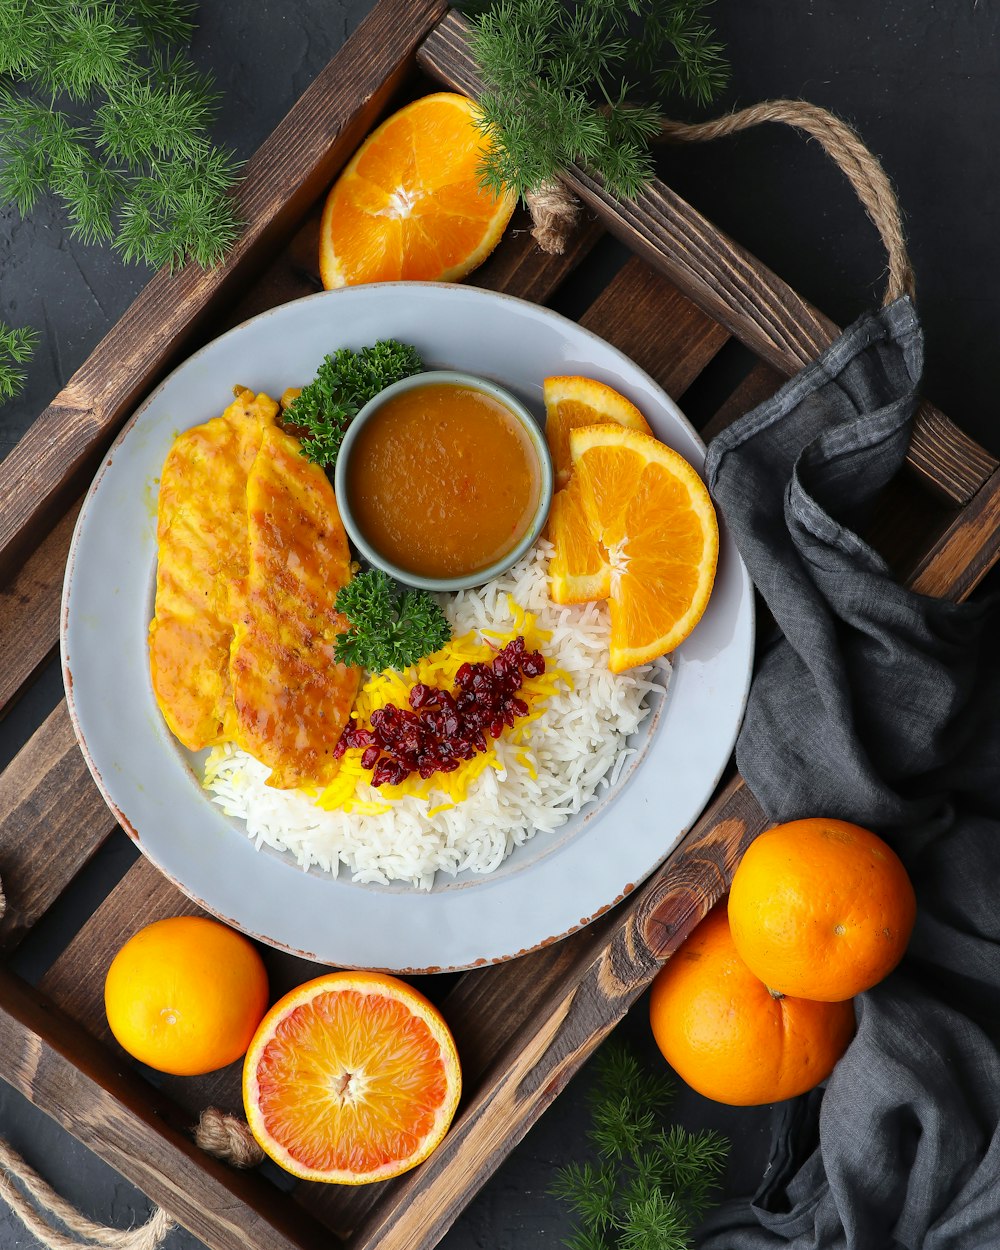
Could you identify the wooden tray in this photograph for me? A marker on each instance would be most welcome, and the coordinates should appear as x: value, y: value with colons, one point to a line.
x: 679, y: 303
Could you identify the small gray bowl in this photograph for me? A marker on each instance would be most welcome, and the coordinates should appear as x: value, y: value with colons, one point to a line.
x: 531, y: 428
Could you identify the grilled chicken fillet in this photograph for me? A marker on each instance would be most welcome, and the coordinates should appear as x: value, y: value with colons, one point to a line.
x: 203, y: 547
x: 291, y: 698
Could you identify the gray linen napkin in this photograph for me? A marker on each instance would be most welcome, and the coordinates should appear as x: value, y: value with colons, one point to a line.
x: 882, y: 707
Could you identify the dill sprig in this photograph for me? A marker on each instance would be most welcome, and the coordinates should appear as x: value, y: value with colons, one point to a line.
x: 101, y: 109
x: 17, y: 346
x: 344, y: 383
x: 649, y: 1185
x: 580, y: 83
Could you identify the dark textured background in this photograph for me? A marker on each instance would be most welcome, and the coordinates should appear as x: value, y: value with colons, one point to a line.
x: 920, y: 80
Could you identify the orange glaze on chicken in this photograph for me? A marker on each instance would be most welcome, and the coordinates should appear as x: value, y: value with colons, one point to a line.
x: 252, y: 553
x: 202, y: 547
x: 292, y: 699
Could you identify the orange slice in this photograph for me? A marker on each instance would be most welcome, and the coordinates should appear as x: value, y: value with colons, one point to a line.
x: 652, y: 513
x: 351, y: 1078
x: 409, y: 203
x: 571, y: 402
x: 579, y: 570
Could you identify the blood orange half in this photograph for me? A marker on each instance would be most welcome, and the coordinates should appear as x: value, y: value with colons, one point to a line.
x: 351, y: 1078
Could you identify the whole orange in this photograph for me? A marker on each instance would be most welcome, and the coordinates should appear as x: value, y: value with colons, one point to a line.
x: 728, y: 1036
x: 185, y: 995
x: 821, y: 909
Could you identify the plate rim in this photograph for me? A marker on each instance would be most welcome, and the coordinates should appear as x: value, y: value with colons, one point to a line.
x: 576, y: 330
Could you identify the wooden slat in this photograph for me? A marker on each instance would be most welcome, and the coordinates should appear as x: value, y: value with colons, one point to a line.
x: 52, y: 820
x: 946, y: 458
x: 727, y: 282
x: 141, y: 1134
x: 966, y: 551
x: 645, y: 316
x: 29, y: 610
x: 611, y: 970
x: 75, y: 981
x: 285, y: 177
x: 518, y: 267
x: 523, y: 1028
x: 291, y: 274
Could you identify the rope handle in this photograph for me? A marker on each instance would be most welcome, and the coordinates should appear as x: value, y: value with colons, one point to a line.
x: 40, y: 1210
x: 845, y: 148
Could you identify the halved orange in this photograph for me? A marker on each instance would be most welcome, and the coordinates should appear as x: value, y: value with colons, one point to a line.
x: 652, y: 513
x: 353, y: 1077
x: 574, y: 401
x: 579, y: 570
x: 409, y: 204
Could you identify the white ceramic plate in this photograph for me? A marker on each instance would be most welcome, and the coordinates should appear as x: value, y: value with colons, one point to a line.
x: 548, y: 887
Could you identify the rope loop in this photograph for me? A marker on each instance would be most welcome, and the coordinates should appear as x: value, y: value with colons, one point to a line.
x: 844, y: 147
x: 555, y: 208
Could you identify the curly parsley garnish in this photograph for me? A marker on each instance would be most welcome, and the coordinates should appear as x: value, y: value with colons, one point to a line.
x: 390, y: 628
x: 346, y: 381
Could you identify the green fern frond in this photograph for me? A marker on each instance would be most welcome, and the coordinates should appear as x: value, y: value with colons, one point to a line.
x: 649, y: 1184
x: 557, y: 92
x: 17, y: 345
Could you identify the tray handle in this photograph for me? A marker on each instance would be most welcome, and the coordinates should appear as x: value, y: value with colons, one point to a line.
x: 845, y: 148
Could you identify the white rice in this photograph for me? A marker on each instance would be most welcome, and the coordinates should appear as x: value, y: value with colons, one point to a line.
x: 578, y: 746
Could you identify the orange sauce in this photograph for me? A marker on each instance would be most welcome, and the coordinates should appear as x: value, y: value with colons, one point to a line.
x: 443, y: 480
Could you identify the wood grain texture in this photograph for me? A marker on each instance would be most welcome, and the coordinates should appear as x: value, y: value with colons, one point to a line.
x: 518, y: 267
x: 610, y: 968
x: 75, y: 981
x: 527, y: 1075
x: 645, y: 316
x: 642, y: 313
x: 52, y: 820
x: 291, y: 273
x: 486, y: 1009
x: 29, y: 609
x: 966, y: 551
x: 284, y: 178
x: 492, y: 1011
x: 140, y: 1133
x: 524, y: 1028
x: 730, y: 285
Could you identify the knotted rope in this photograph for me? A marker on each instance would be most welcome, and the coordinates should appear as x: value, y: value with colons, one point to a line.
x: 840, y: 142
x: 228, y: 1138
